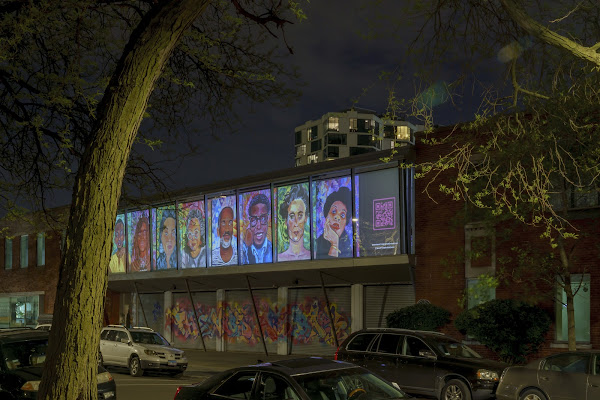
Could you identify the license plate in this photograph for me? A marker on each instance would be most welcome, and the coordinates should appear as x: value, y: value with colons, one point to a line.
x: 108, y: 395
x: 172, y: 362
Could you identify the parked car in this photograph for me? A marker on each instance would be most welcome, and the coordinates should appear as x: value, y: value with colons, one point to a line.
x: 22, y: 355
x: 140, y: 349
x: 43, y: 327
x: 310, y: 378
x: 423, y: 363
x: 564, y: 376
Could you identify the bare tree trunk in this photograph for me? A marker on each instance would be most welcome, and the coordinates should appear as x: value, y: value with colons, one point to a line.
x: 70, y: 369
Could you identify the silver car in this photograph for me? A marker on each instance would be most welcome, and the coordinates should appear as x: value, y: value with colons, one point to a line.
x: 564, y: 376
x: 140, y: 349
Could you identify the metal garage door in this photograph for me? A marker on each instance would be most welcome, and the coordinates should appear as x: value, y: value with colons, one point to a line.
x: 310, y: 329
x: 184, y: 327
x: 241, y: 332
x: 380, y: 300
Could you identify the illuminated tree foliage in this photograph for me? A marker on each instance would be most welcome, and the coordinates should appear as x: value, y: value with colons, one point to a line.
x: 77, y: 77
x: 531, y: 152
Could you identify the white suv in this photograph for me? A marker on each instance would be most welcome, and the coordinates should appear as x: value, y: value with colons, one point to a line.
x: 140, y: 349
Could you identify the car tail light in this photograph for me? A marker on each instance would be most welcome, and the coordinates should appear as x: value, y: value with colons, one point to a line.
x: 177, y: 392
x: 335, y: 357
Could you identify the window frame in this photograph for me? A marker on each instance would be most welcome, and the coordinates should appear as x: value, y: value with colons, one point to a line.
x: 41, y: 252
x: 8, y: 253
x: 24, y: 251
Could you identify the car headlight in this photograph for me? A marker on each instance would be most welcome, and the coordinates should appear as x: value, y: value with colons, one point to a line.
x: 150, y: 352
x: 31, y: 386
x: 487, y: 375
x: 104, y: 377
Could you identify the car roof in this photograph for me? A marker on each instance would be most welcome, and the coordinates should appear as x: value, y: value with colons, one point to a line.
x: 301, y: 366
x: 404, y: 331
x: 19, y: 335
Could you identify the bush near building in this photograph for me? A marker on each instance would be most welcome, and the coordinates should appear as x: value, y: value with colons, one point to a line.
x: 424, y: 317
x: 511, y: 328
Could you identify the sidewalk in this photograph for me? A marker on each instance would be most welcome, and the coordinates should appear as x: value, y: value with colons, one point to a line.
x: 202, y: 364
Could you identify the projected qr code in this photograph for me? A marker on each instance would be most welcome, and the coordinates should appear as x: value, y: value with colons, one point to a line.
x: 384, y: 213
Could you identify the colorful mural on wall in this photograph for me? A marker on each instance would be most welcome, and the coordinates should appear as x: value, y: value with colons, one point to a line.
x: 308, y: 321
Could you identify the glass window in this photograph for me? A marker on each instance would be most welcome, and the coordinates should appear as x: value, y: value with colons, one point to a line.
x: 364, y: 125
x: 24, y: 251
x: 298, y: 137
x: 223, y: 228
x: 165, y: 246
x: 8, y: 253
x: 315, y: 145
x: 104, y: 334
x: 122, y: 337
x: 580, y: 284
x: 333, y: 151
x: 364, y: 140
x: 361, y: 342
x: 255, y: 227
x: 337, y: 138
x: 389, y: 343
x: 41, y: 249
x: 138, y: 240
x: 24, y: 311
x: 313, y: 132
x: 119, y: 252
x: 192, y: 236
x: 238, y: 386
x: 574, y: 363
x: 273, y: 387
x: 478, y: 292
x: 293, y: 222
x: 414, y: 346
x: 301, y: 150
x: 333, y: 124
x: 353, y: 124
x: 313, y: 158
x: 376, y: 209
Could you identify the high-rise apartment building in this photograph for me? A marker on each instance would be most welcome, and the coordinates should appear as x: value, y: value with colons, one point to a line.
x: 348, y: 133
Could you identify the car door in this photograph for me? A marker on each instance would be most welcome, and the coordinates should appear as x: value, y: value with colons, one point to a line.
x: 122, y: 348
x: 107, y: 345
x: 565, y: 376
x: 593, y: 384
x: 274, y: 387
x: 417, y: 372
x: 383, y: 357
x: 358, y: 348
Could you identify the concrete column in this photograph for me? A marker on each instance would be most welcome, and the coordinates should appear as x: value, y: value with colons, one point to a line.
x: 168, y: 304
x: 357, y: 307
x: 221, y: 311
x: 134, y: 310
x: 282, y: 340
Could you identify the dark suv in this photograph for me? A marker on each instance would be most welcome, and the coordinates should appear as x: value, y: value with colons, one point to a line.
x: 423, y: 363
x: 22, y: 355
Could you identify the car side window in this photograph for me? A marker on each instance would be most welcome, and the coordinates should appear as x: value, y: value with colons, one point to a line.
x: 361, y: 342
x: 239, y: 386
x: 104, y: 335
x: 273, y: 387
x: 390, y: 343
x: 573, y: 363
x: 122, y: 335
x: 111, y: 335
x: 414, y: 346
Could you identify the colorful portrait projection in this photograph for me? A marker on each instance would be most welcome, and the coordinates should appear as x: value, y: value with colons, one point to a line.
x: 255, y: 227
x: 293, y: 222
x: 166, y: 238
x: 192, y: 228
x: 118, y: 256
x: 378, y: 228
x: 138, y: 240
x: 332, y: 218
x: 223, y: 232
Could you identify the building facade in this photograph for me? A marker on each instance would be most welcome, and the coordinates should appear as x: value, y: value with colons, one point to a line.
x: 349, y: 133
x: 293, y: 261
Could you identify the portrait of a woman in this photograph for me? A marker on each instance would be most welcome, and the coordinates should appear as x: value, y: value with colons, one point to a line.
x: 335, y: 241
x: 194, y: 252
x: 140, y: 254
x: 292, y: 213
x: 167, y: 258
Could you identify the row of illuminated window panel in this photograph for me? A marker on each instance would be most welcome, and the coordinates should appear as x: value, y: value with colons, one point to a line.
x: 23, y: 251
x: 400, y: 132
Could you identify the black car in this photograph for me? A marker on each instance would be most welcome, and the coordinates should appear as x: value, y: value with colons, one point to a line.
x: 22, y: 355
x: 423, y: 363
x: 310, y: 378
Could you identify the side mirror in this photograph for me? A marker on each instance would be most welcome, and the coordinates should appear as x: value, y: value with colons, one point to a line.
x: 427, y: 354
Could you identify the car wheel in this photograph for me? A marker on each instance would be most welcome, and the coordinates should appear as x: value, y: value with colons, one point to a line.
x: 456, y: 390
x: 532, y: 394
x: 135, y: 367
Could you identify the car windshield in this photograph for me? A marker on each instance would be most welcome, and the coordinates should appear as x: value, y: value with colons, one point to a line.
x: 149, y: 338
x: 19, y: 355
x: 347, y: 384
x: 452, y: 348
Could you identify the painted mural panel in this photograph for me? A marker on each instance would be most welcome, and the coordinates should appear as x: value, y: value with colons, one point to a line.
x: 293, y: 222
x: 223, y: 231
x: 192, y: 228
x: 378, y: 227
x: 332, y: 218
x: 166, y: 238
x: 118, y: 259
x: 153, y: 310
x: 182, y: 321
x: 255, y: 227
x: 138, y: 240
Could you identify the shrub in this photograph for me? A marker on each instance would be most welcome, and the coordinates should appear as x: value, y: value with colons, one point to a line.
x: 510, y: 328
x: 424, y: 317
